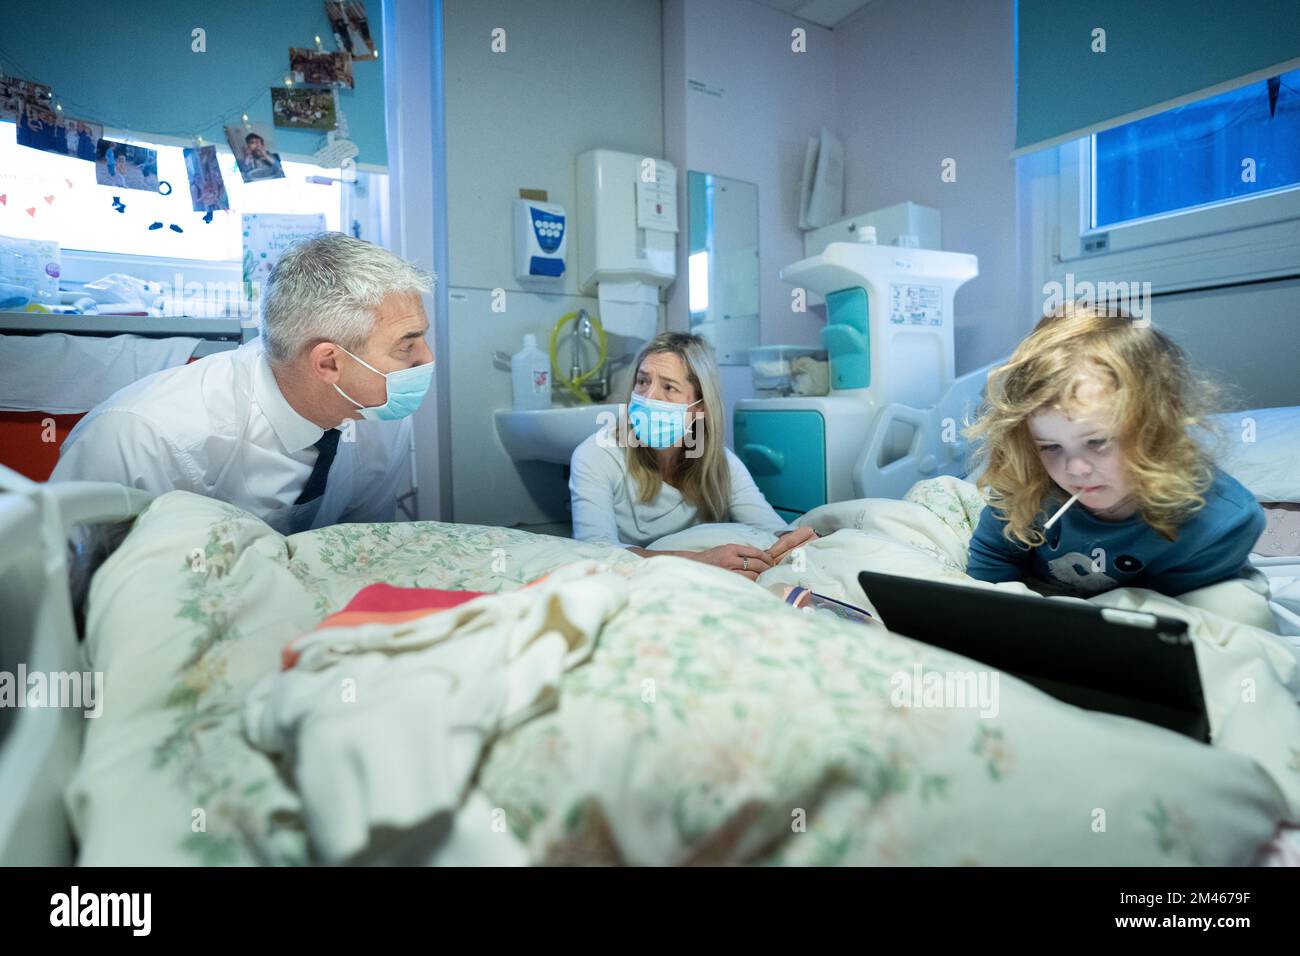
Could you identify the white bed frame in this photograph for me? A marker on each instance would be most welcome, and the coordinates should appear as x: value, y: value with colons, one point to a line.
x: 937, y: 446
x: 40, y: 746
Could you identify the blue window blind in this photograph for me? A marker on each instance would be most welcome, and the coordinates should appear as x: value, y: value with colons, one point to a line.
x: 130, y: 65
x: 1158, y: 54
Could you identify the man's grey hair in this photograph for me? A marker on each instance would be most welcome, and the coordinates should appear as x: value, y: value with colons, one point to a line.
x: 327, y: 288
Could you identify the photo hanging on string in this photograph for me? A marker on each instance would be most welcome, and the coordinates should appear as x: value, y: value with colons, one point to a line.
x: 321, y: 68
x: 207, y: 187
x: 254, y: 149
x: 126, y: 167
x: 43, y: 129
x: 351, y: 28
x: 15, y: 92
x: 294, y: 108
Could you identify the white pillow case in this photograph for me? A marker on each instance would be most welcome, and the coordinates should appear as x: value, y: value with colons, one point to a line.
x: 1260, y: 447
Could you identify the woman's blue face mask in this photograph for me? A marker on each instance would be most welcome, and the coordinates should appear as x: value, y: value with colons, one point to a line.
x: 658, y: 424
x: 406, y: 389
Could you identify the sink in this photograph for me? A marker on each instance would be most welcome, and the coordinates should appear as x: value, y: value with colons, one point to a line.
x: 550, y: 434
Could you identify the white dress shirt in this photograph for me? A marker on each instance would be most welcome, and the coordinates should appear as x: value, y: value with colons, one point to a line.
x: 221, y: 427
x: 607, y: 505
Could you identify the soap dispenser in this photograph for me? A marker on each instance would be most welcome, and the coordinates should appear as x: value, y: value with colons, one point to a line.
x: 530, y: 374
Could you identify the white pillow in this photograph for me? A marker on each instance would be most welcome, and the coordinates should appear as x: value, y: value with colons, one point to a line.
x: 702, y: 537
x: 1261, y: 449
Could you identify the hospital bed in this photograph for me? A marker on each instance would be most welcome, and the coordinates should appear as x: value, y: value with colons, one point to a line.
x: 712, y: 724
x: 55, y: 368
x: 933, y: 443
x: 39, y: 747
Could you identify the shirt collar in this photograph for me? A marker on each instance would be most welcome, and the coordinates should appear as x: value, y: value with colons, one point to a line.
x: 294, y: 431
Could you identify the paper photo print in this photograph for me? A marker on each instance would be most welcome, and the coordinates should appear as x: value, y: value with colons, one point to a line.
x: 321, y: 68
x: 295, y: 108
x: 125, y: 166
x: 15, y: 92
x: 254, y: 149
x: 351, y: 28
x: 207, y: 188
x: 53, y: 132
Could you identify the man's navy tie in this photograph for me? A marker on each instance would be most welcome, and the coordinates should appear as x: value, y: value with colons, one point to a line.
x: 327, y: 445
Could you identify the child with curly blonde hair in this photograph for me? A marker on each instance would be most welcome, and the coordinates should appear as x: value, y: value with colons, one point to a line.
x: 1096, y: 411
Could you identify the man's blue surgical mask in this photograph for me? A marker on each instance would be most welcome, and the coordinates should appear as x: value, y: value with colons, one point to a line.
x: 406, y: 389
x: 657, y: 424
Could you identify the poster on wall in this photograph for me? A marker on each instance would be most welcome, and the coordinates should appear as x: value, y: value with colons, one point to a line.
x: 351, y: 28
x: 254, y: 148
x: 266, y: 236
x: 207, y: 188
x: 294, y: 108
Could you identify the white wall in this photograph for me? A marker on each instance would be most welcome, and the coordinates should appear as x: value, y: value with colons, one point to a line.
x: 1244, y: 336
x: 773, y: 100
x: 575, y: 75
x: 920, y: 81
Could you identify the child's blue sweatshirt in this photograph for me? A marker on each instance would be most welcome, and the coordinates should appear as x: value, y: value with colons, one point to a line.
x: 1087, y: 555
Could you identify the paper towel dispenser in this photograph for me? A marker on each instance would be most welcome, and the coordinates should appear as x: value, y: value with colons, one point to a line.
x: 626, y: 236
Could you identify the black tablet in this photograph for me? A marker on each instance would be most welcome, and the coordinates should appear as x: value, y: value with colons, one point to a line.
x: 1130, y: 663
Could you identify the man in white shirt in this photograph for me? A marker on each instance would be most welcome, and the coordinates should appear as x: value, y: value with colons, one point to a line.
x: 305, y: 426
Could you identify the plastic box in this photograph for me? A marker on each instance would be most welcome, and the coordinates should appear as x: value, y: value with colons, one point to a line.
x: 770, y: 365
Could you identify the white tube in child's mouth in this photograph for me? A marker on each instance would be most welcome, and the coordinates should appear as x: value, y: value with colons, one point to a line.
x: 1065, y: 507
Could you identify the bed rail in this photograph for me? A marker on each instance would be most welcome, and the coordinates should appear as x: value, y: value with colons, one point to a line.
x: 40, y: 745
x: 936, y: 446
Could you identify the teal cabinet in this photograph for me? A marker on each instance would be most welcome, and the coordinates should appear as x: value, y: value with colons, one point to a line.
x: 847, y: 337
x: 785, y: 451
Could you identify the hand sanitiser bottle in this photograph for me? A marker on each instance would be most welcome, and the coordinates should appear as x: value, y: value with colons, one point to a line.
x: 530, y: 373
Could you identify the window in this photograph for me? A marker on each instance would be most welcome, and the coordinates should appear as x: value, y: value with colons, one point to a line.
x: 49, y: 196
x: 1242, y: 143
x: 1171, y: 199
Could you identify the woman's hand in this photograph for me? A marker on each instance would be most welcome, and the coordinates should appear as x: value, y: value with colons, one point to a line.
x: 788, y: 541
x: 741, y: 558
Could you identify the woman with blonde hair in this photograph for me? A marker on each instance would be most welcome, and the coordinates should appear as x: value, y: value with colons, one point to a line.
x: 671, y: 469
x: 1092, y: 472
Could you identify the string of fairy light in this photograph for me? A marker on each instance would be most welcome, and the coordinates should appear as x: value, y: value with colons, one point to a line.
x: 14, y: 68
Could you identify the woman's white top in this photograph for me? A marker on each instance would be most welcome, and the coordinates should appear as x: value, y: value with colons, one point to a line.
x: 607, y: 505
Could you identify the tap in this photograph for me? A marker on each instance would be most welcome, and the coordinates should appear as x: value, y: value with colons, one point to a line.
x: 597, y: 387
x: 582, y: 330
x: 600, y: 392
